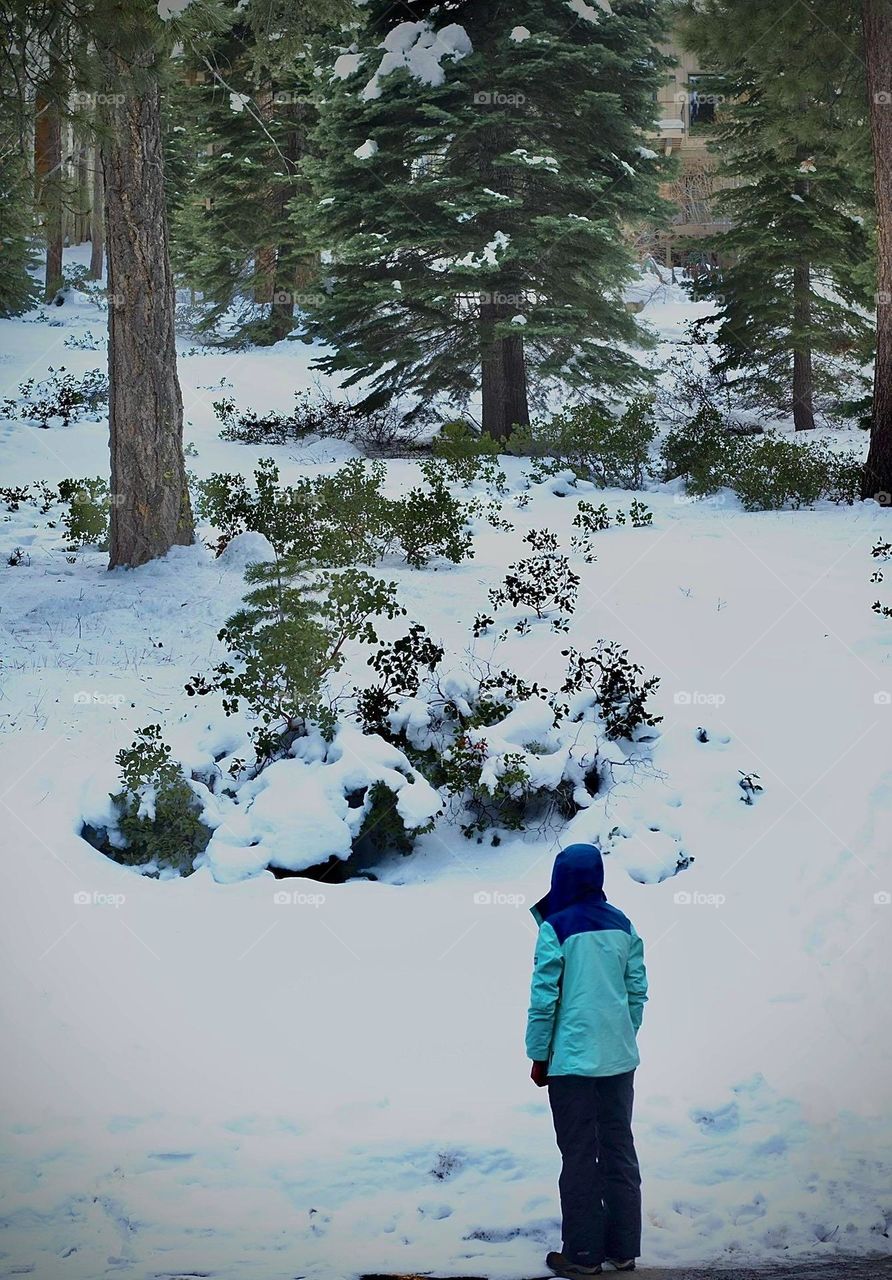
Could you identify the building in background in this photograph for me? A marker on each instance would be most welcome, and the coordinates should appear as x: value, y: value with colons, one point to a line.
x: 687, y: 111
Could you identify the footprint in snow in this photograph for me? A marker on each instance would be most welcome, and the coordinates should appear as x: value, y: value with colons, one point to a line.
x: 723, y: 1120
x: 435, y: 1211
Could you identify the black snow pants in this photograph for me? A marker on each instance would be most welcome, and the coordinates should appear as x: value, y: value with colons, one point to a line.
x: 600, y: 1184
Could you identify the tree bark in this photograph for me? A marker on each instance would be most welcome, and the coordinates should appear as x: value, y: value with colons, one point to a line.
x: 803, y: 377
x: 264, y: 274
x: 52, y: 202
x: 97, y: 233
x: 150, y: 510
x: 83, y: 202
x: 877, y: 28
x: 503, y: 376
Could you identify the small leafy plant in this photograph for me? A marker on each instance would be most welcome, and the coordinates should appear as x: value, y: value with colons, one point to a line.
x: 595, y: 444
x: 541, y: 583
x: 399, y: 667
x: 61, y: 396
x: 617, y: 683
x: 286, y: 640
x: 158, y: 815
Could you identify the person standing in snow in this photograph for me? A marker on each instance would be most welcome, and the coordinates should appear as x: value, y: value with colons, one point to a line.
x: 588, y: 992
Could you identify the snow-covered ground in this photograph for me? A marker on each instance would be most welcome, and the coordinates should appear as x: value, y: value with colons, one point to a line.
x: 199, y: 1078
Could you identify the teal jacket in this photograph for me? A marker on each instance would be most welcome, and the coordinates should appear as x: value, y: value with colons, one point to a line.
x: 589, y: 982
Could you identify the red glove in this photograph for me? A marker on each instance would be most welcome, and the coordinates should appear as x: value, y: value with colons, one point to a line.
x: 539, y: 1073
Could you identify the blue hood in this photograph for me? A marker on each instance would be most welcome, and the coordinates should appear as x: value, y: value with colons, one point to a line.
x: 577, y: 877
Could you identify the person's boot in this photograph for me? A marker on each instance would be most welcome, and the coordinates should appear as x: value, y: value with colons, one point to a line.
x: 619, y: 1264
x: 561, y: 1265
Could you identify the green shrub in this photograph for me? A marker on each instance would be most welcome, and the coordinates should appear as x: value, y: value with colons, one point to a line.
x: 597, y: 445
x: 767, y: 471
x: 383, y: 830
x: 287, y: 639
x: 86, y: 520
x: 158, y: 815
x: 431, y: 522
x: 340, y: 519
x: 468, y: 458
x: 703, y: 451
x: 775, y: 472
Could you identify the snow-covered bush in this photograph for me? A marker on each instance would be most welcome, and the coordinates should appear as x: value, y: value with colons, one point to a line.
x: 60, y: 399
x: 379, y: 431
x: 331, y: 808
x: 156, y: 816
x: 594, y: 443
x: 286, y: 640
x: 508, y: 753
x: 617, y: 684
x: 500, y: 790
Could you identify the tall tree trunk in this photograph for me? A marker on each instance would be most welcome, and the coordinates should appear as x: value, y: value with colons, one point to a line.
x: 803, y: 378
x: 150, y: 500
x: 52, y: 202
x: 97, y: 233
x: 82, y: 216
x: 492, y: 381
x: 281, y: 313
x: 877, y: 27
x: 264, y: 274
x: 503, y: 376
x: 517, y: 411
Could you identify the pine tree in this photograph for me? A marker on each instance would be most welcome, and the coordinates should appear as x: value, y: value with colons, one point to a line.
x: 791, y: 322
x: 17, y: 255
x: 243, y: 109
x: 877, y: 31
x: 474, y: 182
